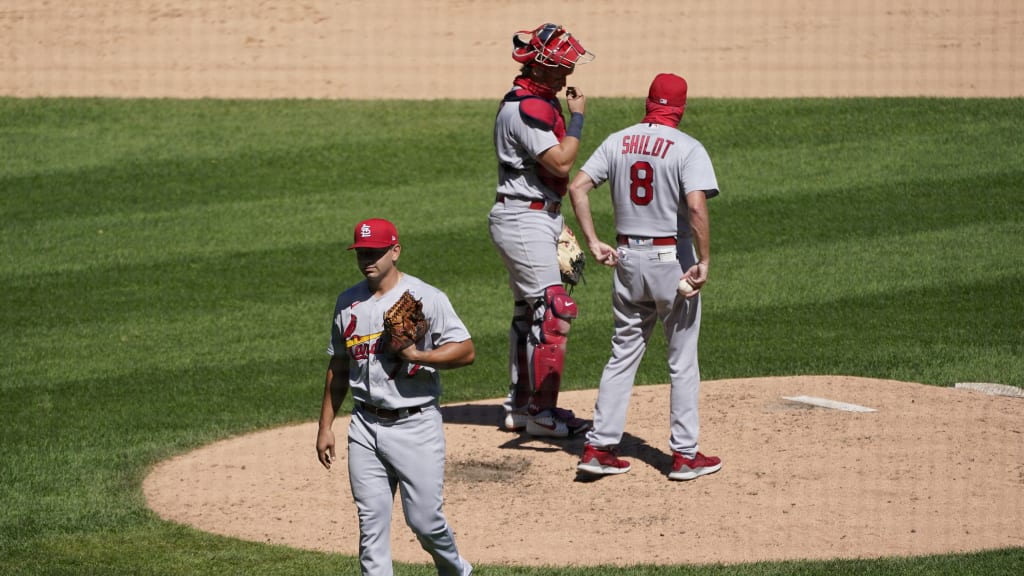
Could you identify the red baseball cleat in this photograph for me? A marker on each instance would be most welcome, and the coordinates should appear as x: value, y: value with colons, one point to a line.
x: 601, y: 462
x: 684, y: 468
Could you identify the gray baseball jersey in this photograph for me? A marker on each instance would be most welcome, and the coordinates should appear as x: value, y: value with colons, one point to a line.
x: 651, y: 167
x: 517, y: 145
x: 382, y: 380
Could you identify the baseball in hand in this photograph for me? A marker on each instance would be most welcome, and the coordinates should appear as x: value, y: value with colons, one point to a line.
x: 685, y: 288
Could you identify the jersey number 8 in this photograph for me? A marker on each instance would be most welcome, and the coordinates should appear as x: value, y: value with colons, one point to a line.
x: 641, y: 183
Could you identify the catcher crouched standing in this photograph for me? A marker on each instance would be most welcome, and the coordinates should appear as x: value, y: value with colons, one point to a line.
x: 390, y: 335
x: 535, y: 151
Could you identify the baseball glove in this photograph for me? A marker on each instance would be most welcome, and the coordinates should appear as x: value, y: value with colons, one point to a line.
x: 571, y: 259
x: 404, y: 323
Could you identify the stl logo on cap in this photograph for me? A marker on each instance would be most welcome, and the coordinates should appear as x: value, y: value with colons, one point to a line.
x: 374, y: 233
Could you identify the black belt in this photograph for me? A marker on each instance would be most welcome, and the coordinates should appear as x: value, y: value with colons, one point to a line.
x: 387, y: 413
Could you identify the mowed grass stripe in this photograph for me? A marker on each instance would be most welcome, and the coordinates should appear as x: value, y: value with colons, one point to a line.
x: 897, y: 262
x: 887, y: 230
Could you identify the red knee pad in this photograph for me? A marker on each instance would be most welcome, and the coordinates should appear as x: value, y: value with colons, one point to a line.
x: 559, y: 313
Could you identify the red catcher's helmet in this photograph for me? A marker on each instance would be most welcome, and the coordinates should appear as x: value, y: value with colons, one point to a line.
x: 549, y: 45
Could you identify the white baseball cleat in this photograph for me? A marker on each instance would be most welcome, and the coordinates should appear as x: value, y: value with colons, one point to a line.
x: 556, y: 423
x: 515, y: 421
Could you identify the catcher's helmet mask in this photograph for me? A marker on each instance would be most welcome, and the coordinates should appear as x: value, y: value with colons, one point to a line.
x: 549, y: 45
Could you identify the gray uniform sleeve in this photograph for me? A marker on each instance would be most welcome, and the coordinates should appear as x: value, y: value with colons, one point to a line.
x: 698, y: 173
x: 336, y: 347
x: 517, y: 143
x: 445, y: 324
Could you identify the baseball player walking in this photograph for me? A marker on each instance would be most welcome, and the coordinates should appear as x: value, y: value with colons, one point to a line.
x: 395, y: 437
x: 660, y: 179
x: 535, y: 151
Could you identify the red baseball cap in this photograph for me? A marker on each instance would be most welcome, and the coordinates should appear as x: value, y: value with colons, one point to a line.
x: 668, y: 90
x: 374, y: 233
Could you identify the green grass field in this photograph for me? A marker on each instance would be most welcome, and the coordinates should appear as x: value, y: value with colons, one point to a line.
x: 169, y: 268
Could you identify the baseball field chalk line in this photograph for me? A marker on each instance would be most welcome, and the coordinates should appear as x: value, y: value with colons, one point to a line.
x: 993, y: 389
x: 826, y: 403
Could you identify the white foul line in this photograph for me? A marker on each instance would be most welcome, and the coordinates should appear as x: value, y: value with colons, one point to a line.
x: 826, y: 403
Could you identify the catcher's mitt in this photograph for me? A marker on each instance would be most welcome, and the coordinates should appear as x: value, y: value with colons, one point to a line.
x: 571, y: 259
x: 404, y: 323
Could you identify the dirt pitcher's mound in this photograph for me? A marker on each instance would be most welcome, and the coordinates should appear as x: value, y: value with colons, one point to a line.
x: 930, y: 470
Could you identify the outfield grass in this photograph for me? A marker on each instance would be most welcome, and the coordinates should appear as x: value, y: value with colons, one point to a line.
x: 168, y: 271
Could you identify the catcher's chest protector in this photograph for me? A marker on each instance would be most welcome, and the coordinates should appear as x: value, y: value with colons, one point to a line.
x: 538, y: 111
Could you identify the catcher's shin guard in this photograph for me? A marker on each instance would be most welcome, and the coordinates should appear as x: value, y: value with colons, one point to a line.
x: 519, y: 389
x: 554, y: 319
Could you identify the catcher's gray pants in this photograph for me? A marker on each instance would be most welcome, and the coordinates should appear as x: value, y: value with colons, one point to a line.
x: 407, y: 454
x: 527, y: 241
x: 644, y: 292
